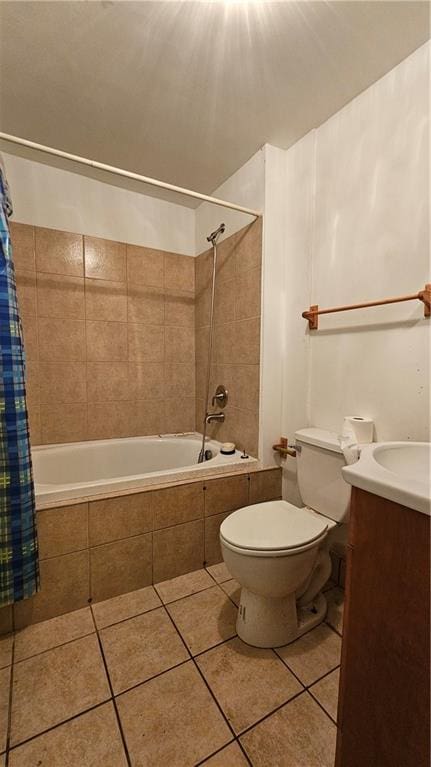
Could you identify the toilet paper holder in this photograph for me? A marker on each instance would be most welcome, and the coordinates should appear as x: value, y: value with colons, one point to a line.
x: 282, y: 448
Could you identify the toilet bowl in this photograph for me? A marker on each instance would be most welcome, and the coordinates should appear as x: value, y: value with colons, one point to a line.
x: 279, y: 553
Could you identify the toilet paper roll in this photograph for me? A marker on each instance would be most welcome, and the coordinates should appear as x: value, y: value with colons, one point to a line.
x: 358, y: 428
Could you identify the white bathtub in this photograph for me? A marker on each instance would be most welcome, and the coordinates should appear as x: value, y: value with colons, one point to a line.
x: 84, y: 469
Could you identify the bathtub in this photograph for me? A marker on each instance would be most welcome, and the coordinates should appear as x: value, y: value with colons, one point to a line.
x: 85, y: 469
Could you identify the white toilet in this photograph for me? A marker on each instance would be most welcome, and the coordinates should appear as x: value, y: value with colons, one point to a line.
x: 279, y: 553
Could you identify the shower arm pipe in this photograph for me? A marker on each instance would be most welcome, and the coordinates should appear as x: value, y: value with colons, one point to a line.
x: 127, y: 174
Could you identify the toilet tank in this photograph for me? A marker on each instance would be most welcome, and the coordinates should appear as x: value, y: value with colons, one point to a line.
x: 320, y: 480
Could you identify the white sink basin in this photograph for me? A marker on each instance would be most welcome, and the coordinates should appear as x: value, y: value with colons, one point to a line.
x: 399, y: 471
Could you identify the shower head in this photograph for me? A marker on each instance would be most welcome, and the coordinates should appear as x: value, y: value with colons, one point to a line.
x: 213, y: 236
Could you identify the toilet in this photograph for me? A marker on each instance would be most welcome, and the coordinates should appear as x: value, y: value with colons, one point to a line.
x: 279, y: 553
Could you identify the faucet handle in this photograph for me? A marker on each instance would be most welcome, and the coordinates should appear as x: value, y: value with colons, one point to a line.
x: 220, y: 396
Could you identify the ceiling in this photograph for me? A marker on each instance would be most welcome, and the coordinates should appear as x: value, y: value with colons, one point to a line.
x: 187, y: 91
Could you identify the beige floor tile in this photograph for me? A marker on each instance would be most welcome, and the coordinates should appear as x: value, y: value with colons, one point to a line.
x: 6, y: 650
x: 138, y: 649
x: 91, y: 740
x: 219, y: 572
x: 298, y: 735
x: 313, y: 655
x: 204, y: 619
x: 183, y: 585
x: 172, y: 720
x: 5, y: 675
x: 231, y: 756
x: 125, y: 606
x: 248, y: 682
x: 233, y: 589
x: 326, y: 692
x: 334, y: 616
x: 52, y: 633
x: 54, y: 686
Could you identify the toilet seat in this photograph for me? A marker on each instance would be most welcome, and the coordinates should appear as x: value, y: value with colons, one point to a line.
x: 274, y: 528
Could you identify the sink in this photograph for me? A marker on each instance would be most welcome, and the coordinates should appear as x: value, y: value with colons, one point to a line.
x: 398, y: 471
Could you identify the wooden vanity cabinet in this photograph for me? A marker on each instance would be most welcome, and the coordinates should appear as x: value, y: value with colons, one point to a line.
x: 384, y: 702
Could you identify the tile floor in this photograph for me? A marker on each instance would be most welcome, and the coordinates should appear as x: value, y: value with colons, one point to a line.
x: 159, y: 677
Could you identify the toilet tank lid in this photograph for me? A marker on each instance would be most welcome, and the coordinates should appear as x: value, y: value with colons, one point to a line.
x: 320, y: 438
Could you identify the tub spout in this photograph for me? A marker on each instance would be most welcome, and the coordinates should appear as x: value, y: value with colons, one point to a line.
x: 210, y: 417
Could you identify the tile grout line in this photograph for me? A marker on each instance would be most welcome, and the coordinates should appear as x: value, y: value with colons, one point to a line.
x: 114, y: 703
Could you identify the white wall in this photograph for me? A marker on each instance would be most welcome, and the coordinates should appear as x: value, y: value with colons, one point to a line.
x: 357, y: 228
x: 245, y: 187
x: 46, y: 196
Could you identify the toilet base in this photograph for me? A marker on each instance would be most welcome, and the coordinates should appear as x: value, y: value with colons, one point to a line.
x: 274, y: 622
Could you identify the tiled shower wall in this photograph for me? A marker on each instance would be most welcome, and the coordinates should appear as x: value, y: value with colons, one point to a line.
x: 109, y: 336
x: 237, y: 334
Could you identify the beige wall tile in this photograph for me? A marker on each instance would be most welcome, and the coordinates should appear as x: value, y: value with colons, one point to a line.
x: 146, y: 343
x: 63, y: 530
x: 179, y: 272
x: 22, y: 236
x: 178, y: 550
x: 226, y: 494
x: 245, y: 430
x: 225, y: 343
x: 202, y: 340
x: 122, y: 566
x: 34, y: 425
x: 105, y: 300
x: 123, y: 517
x: 248, y: 250
x: 179, y: 380
x: 212, y: 538
x: 30, y: 339
x: 146, y: 380
x: 64, y: 587
x: 179, y: 415
x: 202, y: 307
x: 145, y: 304
x: 176, y: 505
x: 179, y: 344
x: 180, y: 309
x: 32, y: 380
x: 63, y: 423
x: 226, y: 258
x: 224, y: 303
x: 61, y: 339
x: 107, y: 381
x: 59, y: 252
x: 26, y: 293
x: 145, y: 265
x: 203, y: 270
x: 248, y: 294
x: 60, y: 296
x: 62, y: 382
x: 247, y: 342
x: 265, y: 485
x: 242, y: 383
x: 108, y: 420
x: 106, y: 341
x: 146, y: 417
x: 105, y: 259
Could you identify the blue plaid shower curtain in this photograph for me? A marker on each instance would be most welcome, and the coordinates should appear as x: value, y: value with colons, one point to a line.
x: 19, y: 566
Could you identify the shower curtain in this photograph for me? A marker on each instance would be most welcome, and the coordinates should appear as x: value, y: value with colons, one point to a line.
x: 19, y: 566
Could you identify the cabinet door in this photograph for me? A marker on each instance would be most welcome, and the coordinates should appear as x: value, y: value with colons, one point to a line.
x: 384, y: 695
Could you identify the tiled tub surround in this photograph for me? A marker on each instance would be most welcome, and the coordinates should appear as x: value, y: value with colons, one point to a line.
x: 108, y: 334
x: 104, y: 547
x: 236, y: 352
x: 160, y: 678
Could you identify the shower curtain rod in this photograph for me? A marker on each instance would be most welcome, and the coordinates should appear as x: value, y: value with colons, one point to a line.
x: 127, y: 174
